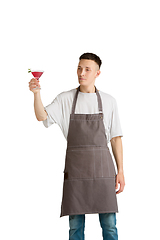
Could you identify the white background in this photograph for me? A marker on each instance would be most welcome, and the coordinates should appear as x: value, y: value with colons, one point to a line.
x: 52, y: 35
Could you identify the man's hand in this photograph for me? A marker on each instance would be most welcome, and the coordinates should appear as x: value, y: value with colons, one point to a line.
x: 120, y: 180
x: 33, y: 84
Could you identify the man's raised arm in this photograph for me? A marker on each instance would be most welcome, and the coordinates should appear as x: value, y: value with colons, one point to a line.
x: 40, y: 112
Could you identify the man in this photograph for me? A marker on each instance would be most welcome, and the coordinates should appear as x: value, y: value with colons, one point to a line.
x: 89, y: 120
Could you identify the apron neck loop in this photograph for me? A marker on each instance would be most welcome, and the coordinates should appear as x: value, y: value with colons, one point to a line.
x: 98, y: 98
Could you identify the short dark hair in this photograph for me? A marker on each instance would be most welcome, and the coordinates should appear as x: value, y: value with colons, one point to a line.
x: 91, y: 56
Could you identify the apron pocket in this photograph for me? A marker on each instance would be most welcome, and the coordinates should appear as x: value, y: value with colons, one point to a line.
x: 79, y: 164
x: 104, y: 166
x: 89, y: 163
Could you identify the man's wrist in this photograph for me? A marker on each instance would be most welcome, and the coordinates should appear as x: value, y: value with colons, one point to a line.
x: 120, y: 171
x: 37, y: 95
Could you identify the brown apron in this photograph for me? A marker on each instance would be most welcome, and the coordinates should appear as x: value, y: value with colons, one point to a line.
x: 89, y: 174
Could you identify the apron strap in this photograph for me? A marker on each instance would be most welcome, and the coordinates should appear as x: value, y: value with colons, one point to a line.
x: 75, y: 100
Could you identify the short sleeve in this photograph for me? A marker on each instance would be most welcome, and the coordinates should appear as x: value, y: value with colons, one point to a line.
x: 115, y: 128
x: 54, y: 113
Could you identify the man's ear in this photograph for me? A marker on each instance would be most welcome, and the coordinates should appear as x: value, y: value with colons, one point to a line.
x: 98, y: 73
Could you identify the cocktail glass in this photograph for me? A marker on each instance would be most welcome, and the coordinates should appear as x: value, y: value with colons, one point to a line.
x: 36, y: 74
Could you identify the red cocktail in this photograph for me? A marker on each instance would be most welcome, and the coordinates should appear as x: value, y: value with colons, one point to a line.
x: 36, y: 74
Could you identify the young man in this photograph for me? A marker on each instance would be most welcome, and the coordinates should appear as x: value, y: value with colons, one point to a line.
x: 89, y: 120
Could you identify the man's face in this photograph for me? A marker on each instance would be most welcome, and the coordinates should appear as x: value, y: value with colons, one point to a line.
x: 87, y: 72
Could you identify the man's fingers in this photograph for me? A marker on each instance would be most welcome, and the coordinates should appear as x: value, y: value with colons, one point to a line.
x: 119, y: 191
x: 120, y: 181
x: 33, y: 83
x: 34, y: 80
x: 121, y: 188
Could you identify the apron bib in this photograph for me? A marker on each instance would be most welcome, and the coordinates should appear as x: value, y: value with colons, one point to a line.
x: 89, y: 174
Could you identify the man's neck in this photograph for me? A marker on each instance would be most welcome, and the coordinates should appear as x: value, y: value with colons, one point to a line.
x: 87, y: 89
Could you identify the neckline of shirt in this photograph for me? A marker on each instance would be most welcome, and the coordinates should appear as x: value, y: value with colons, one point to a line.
x: 88, y: 94
x: 91, y: 94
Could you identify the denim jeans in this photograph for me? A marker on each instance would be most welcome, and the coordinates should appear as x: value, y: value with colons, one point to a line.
x: 107, y: 223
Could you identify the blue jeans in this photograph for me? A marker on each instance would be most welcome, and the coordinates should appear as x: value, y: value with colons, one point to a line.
x: 107, y: 223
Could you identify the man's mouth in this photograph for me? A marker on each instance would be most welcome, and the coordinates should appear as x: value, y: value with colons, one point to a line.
x: 82, y: 79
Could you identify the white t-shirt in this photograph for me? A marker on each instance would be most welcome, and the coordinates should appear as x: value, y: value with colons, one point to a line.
x: 60, y: 109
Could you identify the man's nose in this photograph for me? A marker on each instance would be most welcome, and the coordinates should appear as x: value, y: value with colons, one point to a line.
x: 82, y: 72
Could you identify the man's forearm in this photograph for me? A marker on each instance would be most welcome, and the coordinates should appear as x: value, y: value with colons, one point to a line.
x: 116, y: 144
x: 40, y: 113
x: 117, y: 150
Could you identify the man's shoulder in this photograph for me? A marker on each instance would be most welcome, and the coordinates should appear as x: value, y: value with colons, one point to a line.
x: 106, y: 96
x: 67, y: 94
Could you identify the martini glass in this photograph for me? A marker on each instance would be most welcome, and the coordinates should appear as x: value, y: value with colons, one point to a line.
x: 36, y: 74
